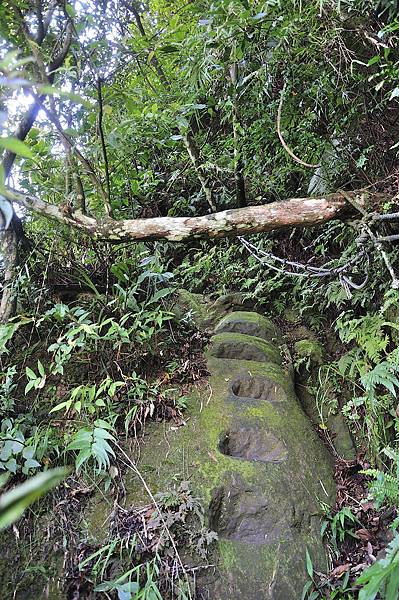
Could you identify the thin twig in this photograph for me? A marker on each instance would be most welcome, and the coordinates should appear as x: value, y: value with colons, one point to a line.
x: 283, y: 142
x: 133, y: 467
x: 85, y: 162
x: 107, y: 204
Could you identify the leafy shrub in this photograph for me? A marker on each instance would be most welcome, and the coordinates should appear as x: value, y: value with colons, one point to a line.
x: 383, y: 576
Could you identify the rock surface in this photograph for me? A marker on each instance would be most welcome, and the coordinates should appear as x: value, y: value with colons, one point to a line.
x: 252, y: 454
x: 322, y: 407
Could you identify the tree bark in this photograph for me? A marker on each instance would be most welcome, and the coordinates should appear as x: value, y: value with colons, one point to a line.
x: 9, y: 239
x: 241, y: 198
x: 296, y: 212
x: 9, y: 252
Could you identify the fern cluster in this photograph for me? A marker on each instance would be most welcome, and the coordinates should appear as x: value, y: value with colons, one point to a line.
x: 385, y: 485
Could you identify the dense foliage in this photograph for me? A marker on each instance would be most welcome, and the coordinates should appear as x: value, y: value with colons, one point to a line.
x: 171, y: 108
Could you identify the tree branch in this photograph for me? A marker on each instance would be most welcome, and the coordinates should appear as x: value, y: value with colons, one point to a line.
x: 282, y: 140
x: 53, y: 118
x: 296, y: 212
x: 29, y: 117
x: 107, y: 204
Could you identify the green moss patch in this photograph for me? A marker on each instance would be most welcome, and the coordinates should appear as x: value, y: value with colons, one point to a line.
x: 249, y: 323
x: 239, y: 346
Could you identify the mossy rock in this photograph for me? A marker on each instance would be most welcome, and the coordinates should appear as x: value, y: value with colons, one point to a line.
x: 244, y: 347
x: 205, y: 312
x: 253, y: 457
x: 336, y: 431
x: 28, y: 570
x: 194, y: 304
x: 309, y: 349
x: 249, y: 323
x: 309, y: 356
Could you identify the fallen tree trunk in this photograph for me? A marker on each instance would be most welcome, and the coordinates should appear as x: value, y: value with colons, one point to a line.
x: 296, y: 212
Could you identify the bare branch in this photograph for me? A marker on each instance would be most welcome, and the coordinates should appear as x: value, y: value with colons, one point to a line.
x: 107, y: 204
x: 296, y: 212
x: 53, y: 118
x: 283, y: 142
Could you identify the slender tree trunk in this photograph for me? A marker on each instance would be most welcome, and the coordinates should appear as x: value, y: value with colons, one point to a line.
x: 15, y: 234
x: 296, y: 212
x: 188, y: 137
x: 241, y: 198
x: 9, y: 253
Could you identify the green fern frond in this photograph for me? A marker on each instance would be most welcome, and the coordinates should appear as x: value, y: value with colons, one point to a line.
x: 368, y: 332
x: 383, y: 374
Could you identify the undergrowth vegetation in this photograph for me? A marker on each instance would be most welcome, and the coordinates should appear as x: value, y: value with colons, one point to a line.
x: 106, y: 362
x: 165, y: 109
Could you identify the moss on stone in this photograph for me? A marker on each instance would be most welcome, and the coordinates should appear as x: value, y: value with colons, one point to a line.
x: 195, y: 304
x: 309, y: 355
x: 227, y: 554
x: 284, y: 494
x: 292, y: 487
x: 204, y: 311
x: 309, y: 349
x: 249, y: 323
x: 239, y: 346
x: 29, y: 571
x: 95, y: 522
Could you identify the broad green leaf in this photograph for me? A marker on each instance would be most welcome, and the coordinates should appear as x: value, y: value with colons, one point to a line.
x: 40, y: 368
x: 82, y: 457
x: 31, y: 463
x: 103, y: 434
x: 16, y: 146
x: 54, y: 91
x: 103, y: 424
x: 31, y: 374
x: 11, y: 465
x: 60, y: 406
x: 160, y: 294
x: 6, y: 333
x: 309, y: 564
x: 30, y: 385
x: 83, y: 441
x: 14, y: 502
x: 28, y: 452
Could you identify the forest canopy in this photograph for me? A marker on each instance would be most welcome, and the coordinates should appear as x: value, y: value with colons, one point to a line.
x: 243, y: 152
x: 180, y: 110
